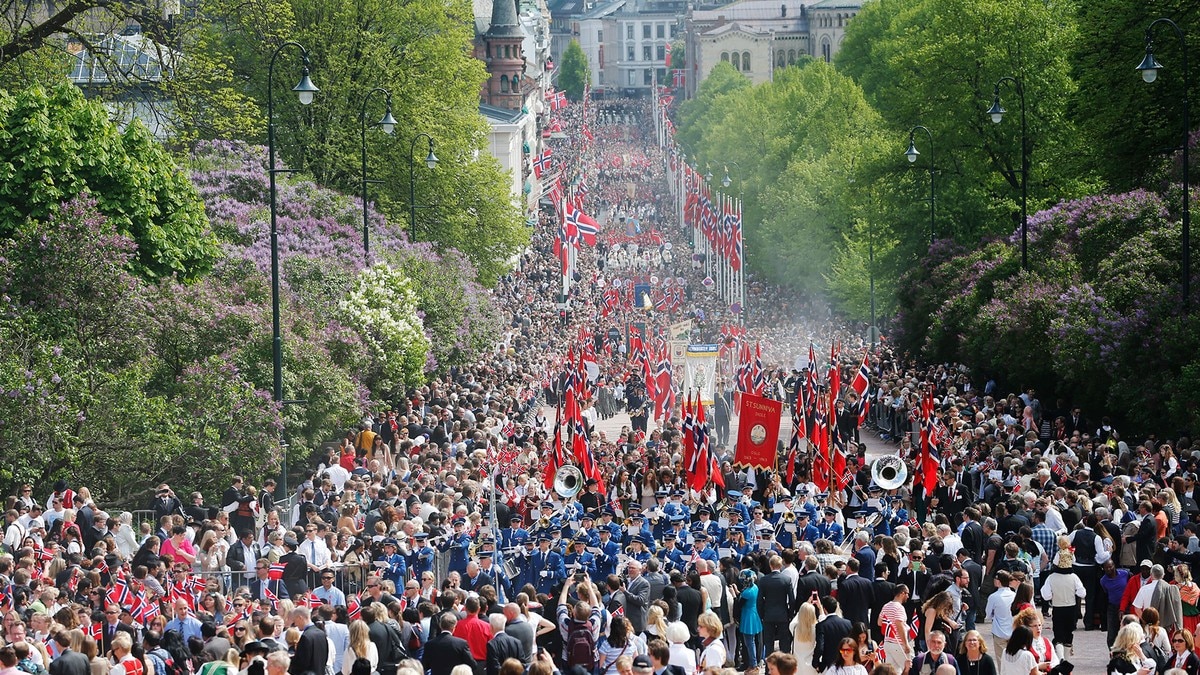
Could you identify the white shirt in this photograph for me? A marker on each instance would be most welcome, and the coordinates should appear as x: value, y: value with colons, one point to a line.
x: 1145, y: 594
x: 1055, y: 522
x: 952, y: 544
x: 315, y: 552
x: 999, y: 612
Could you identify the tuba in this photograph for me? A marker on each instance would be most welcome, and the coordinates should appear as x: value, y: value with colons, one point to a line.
x: 568, y: 481
x: 889, y: 472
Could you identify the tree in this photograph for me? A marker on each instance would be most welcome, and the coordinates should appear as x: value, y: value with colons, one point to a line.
x: 57, y: 145
x: 935, y: 63
x: 1130, y: 124
x: 382, y: 307
x: 574, y: 73
x: 415, y: 50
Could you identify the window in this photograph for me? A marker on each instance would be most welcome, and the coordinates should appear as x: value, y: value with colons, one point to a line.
x: 632, y: 79
x: 660, y: 31
x: 737, y: 61
x: 632, y: 53
x: 648, y: 76
x: 660, y: 53
x: 791, y: 56
x: 746, y: 61
x: 646, y: 53
x: 780, y: 58
x: 600, y: 35
x: 674, y: 30
x: 645, y: 31
x: 628, y: 31
x: 826, y: 49
x: 725, y: 56
x: 503, y: 84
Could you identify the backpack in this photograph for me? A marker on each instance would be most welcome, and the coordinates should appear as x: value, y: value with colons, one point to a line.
x: 159, y: 657
x: 581, y: 646
x: 1153, y: 651
x: 395, y: 651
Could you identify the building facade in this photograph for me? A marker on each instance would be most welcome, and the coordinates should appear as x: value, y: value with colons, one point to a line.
x: 758, y: 37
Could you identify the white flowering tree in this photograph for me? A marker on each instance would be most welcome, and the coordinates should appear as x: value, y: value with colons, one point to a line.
x: 382, y: 307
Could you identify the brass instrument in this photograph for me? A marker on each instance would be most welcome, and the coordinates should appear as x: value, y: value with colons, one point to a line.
x: 889, y: 472
x: 543, y: 523
x: 568, y: 481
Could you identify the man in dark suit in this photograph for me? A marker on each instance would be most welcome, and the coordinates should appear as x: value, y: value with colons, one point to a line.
x: 811, y: 581
x: 1147, y: 530
x: 165, y: 502
x: 776, y: 601
x: 502, y: 646
x: 112, y: 626
x: 972, y: 536
x: 295, y: 571
x: 882, y: 590
x: 691, y: 605
x: 950, y: 497
x: 312, y: 651
x: 970, y: 594
x: 830, y: 631
x: 476, y: 578
x: 916, y: 577
x: 444, y: 651
x: 856, y: 594
x: 659, y: 656
x: 262, y: 579
x: 69, y: 661
x: 242, y: 555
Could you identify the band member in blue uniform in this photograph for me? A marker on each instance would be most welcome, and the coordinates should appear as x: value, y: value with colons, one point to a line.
x: 514, y: 534
x: 701, y: 550
x: 677, y: 507
x: 670, y: 558
x: 546, y: 566
x: 580, y: 559
x: 829, y: 527
x: 786, y: 530
x: 457, y: 544
x: 422, y: 555
x: 606, y: 559
x: 637, y: 550
x: 803, y: 503
x: 805, y: 530
x: 394, y: 568
x: 737, y: 542
x: 707, y: 525
x: 733, y: 501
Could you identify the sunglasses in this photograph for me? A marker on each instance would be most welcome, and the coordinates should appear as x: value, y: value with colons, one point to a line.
x: 846, y: 651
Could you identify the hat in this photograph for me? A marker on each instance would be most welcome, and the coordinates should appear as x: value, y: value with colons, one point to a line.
x: 543, y: 535
x: 586, y: 516
x: 662, y: 492
x: 421, y: 535
x: 739, y: 529
x: 579, y: 539
x: 608, y: 511
x: 802, y: 491
x: 485, y: 554
x: 733, y: 494
x: 1066, y: 559
x: 291, y: 542
x: 255, y: 647
x: 1146, y: 563
x: 874, y: 488
x: 830, y: 511
x: 669, y: 536
x: 459, y: 521
x: 677, y: 518
x: 514, y: 518
x: 677, y: 493
x: 642, y: 664
x: 591, y: 481
x: 704, y: 511
x: 604, y: 530
x: 633, y: 506
x: 802, y: 513
x: 390, y: 542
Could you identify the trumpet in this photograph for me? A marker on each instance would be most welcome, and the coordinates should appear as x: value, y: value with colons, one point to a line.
x: 789, y: 517
x: 543, y: 522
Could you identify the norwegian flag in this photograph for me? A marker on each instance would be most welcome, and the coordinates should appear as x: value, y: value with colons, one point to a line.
x: 757, y: 376
x: 95, y: 630
x: 619, y: 611
x: 354, y: 608
x: 581, y: 445
x: 810, y: 382
x: 927, y: 471
x: 311, y: 601
x: 44, y: 554
x: 735, y: 243
x: 176, y: 592
x: 678, y: 78
x: 914, y: 627
x: 641, y: 362
x: 1058, y: 469
x: 542, y: 163
x: 862, y: 379
x: 120, y: 593
x: 586, y: 226
x: 149, y: 611
x: 688, y: 429
x: 664, y: 399
x: 275, y: 572
x: 558, y: 101
x: 271, y: 597
x: 799, y: 433
x: 557, y: 456
x: 6, y: 598
x: 232, y: 617
x: 611, y: 300
x: 889, y: 635
x: 820, y: 436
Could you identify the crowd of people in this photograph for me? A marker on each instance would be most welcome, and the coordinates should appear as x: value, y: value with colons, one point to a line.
x: 430, y: 540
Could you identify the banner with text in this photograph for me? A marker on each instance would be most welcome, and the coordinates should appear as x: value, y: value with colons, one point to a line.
x: 700, y: 371
x: 758, y: 432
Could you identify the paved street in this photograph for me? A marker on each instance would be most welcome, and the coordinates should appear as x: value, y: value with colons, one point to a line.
x: 1091, y: 648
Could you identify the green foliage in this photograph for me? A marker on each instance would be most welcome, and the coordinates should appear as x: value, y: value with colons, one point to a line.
x: 84, y: 391
x: 573, y: 72
x: 55, y: 145
x: 1126, y: 122
x: 678, y: 55
x: 416, y: 50
x: 936, y: 62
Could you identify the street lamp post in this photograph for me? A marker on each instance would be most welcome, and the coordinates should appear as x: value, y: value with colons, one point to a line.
x: 912, y: 154
x: 387, y: 124
x: 305, y: 90
x: 1149, y: 68
x: 996, y: 112
x: 431, y: 161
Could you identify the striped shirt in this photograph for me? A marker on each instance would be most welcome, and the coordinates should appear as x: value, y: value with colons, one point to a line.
x: 892, y: 613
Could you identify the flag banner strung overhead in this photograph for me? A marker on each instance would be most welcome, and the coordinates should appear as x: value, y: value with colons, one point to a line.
x: 700, y: 371
x: 758, y: 432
